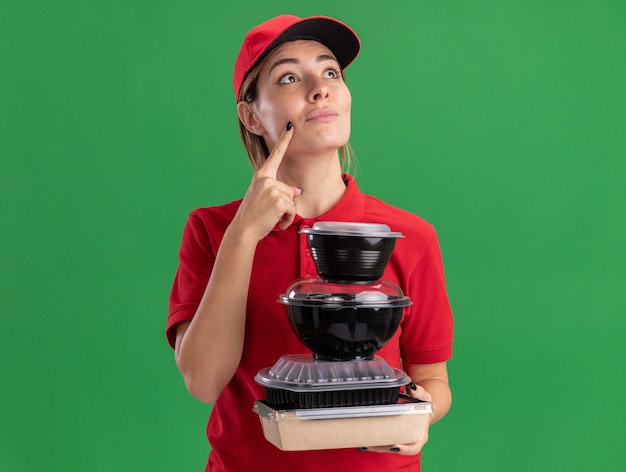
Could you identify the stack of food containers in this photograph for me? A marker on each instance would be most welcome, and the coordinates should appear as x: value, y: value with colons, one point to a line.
x: 343, y: 395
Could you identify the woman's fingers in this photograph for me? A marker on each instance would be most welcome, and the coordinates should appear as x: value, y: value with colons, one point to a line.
x: 289, y: 215
x: 415, y: 391
x: 269, y: 201
x: 269, y: 171
x: 273, y: 161
x: 401, y: 449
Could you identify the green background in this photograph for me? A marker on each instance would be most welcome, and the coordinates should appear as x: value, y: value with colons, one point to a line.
x: 501, y: 122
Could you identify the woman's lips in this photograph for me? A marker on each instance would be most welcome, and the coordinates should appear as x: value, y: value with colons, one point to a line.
x: 322, y: 114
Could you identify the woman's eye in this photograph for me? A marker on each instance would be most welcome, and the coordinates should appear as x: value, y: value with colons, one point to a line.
x: 332, y: 74
x: 287, y: 79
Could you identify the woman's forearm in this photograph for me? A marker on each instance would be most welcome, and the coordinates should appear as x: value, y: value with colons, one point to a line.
x: 433, y: 378
x: 441, y: 395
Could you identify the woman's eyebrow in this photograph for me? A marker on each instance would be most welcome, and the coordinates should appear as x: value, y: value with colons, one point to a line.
x: 293, y: 60
x: 326, y: 57
x: 286, y: 60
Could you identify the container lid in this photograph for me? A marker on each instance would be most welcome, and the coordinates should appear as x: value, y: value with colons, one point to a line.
x: 320, y: 292
x: 405, y: 405
x: 304, y: 373
x: 348, y: 228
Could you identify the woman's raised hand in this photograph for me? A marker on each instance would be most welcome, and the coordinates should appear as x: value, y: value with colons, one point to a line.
x: 268, y: 201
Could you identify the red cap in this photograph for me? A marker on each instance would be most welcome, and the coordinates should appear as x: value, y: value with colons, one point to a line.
x: 335, y: 35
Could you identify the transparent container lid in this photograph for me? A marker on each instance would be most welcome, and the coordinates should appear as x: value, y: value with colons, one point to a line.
x: 304, y: 373
x: 348, y: 228
x: 382, y: 293
x: 405, y: 405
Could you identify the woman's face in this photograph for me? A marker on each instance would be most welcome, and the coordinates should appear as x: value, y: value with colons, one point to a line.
x: 302, y: 83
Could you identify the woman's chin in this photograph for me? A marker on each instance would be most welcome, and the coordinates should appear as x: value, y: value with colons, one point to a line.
x: 321, y: 143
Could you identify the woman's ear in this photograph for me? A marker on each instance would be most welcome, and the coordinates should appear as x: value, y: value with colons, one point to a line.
x: 249, y: 119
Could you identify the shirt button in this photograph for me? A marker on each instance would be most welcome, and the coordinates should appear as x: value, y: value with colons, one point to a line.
x: 307, y: 253
x: 308, y: 276
x: 305, y: 227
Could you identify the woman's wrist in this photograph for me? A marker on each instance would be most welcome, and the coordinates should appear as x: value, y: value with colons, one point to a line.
x: 241, y: 236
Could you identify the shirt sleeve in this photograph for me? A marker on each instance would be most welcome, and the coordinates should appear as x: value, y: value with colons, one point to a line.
x: 196, y: 260
x: 427, y: 333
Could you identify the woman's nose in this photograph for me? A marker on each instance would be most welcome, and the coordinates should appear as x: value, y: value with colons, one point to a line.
x: 318, y: 91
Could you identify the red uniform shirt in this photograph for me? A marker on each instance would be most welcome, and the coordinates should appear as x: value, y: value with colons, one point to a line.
x: 425, y: 334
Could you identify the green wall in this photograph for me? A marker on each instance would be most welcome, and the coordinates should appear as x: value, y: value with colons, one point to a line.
x: 501, y: 122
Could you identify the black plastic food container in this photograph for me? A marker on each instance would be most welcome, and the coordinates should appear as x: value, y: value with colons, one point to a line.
x: 300, y: 381
x: 350, y: 252
x: 341, y: 321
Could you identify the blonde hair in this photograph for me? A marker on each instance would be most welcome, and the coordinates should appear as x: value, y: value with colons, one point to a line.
x: 255, y: 145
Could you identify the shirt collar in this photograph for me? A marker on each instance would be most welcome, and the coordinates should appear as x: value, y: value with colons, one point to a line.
x: 349, y: 208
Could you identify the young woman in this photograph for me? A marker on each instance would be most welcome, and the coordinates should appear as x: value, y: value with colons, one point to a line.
x: 224, y: 320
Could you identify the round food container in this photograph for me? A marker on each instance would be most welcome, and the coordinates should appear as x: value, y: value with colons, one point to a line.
x: 350, y: 252
x: 344, y: 321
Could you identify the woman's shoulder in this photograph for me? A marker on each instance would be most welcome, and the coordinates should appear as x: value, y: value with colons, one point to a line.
x: 218, y: 215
